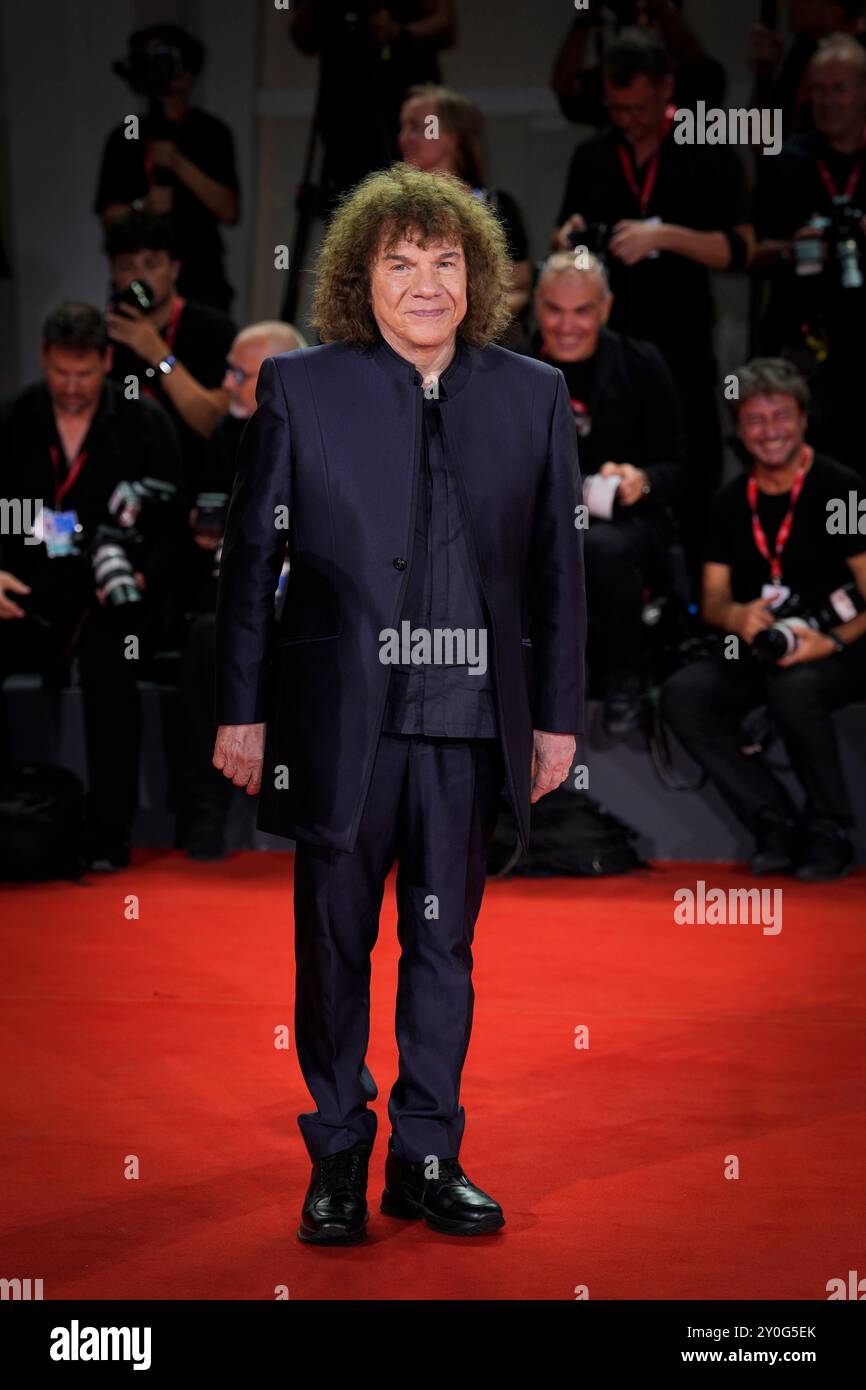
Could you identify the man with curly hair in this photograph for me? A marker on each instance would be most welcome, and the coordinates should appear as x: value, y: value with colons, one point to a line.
x: 428, y: 656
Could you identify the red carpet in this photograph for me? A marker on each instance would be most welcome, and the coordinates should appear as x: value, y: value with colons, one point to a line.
x: 155, y: 1038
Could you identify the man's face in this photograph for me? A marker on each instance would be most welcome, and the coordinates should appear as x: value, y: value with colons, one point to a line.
x: 571, y: 309
x: 838, y: 94
x: 414, y: 145
x: 418, y: 295
x: 772, y: 428
x: 639, y: 108
x: 74, y: 378
x: 244, y: 360
x: 156, y: 267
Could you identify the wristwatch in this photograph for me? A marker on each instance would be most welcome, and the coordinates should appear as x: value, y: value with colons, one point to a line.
x: 167, y: 365
x: 837, y: 640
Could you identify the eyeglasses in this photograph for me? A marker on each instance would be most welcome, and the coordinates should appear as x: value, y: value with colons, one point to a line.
x: 238, y: 373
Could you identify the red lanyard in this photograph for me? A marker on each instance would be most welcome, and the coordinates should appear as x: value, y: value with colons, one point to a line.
x: 170, y: 329
x: 61, y: 489
x: 853, y: 178
x: 644, y: 194
x: 784, y: 531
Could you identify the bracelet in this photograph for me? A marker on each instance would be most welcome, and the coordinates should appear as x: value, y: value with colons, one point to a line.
x: 837, y: 640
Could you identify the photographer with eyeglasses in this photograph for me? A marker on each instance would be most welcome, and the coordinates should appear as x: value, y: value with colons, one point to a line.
x: 206, y: 795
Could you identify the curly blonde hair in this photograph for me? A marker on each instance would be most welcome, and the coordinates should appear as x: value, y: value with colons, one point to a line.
x: 403, y: 202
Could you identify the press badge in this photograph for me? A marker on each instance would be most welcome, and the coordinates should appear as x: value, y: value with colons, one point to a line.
x: 58, y: 531
x: 775, y: 594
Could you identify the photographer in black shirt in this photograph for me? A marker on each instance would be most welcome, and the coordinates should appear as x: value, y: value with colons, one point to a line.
x: 173, y: 348
x: 810, y: 216
x: 97, y: 479
x: 663, y: 215
x: 181, y: 166
x: 785, y: 579
x: 630, y: 437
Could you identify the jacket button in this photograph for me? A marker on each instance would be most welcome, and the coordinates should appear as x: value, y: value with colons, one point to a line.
x: 399, y: 563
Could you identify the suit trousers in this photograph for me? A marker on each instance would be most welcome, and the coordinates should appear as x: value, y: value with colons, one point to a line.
x: 432, y: 807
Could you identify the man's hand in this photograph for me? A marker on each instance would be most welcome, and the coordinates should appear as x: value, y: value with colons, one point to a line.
x: 559, y: 241
x: 633, y: 241
x: 765, y: 49
x: 160, y: 200
x: 205, y: 542
x: 10, y: 585
x: 162, y: 152
x: 748, y: 619
x: 239, y: 754
x: 130, y: 326
x: 631, y: 489
x: 811, y: 646
x: 552, y: 756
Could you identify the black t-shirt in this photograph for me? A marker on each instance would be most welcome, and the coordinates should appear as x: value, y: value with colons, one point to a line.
x: 201, y: 343
x: 579, y: 378
x: 666, y: 300
x: 207, y: 142
x: 813, y: 560
x: 790, y: 187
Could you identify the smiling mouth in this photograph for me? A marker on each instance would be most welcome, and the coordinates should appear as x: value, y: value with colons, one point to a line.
x: 427, y: 313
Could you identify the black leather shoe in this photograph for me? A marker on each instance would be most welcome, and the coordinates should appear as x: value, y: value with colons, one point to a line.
x: 449, y: 1203
x: 774, y: 844
x: 624, y: 704
x: 828, y: 853
x: 335, y: 1207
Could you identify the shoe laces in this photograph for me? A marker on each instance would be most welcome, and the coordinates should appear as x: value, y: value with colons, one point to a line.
x: 341, y: 1172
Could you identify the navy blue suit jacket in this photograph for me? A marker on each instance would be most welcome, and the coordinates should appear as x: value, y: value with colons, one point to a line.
x: 334, y: 446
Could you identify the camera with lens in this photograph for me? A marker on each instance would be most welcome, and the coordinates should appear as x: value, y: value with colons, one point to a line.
x: 838, y: 238
x: 151, y: 67
x: 116, y: 548
x: 595, y: 236
x: 138, y: 294
x: 792, y: 617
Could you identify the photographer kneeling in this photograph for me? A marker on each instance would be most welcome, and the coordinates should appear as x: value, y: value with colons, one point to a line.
x: 785, y: 578
x: 631, y: 442
x: 91, y: 481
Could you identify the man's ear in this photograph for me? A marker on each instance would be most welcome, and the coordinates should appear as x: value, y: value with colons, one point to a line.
x: 108, y: 359
x: 608, y: 305
x: 668, y: 87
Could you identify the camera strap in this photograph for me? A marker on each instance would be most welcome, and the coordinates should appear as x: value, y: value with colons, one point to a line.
x: 775, y: 560
x: 61, y: 488
x: 644, y: 194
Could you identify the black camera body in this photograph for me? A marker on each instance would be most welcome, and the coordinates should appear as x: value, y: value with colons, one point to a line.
x: 841, y: 235
x: 595, y: 236
x: 138, y: 294
x: 151, y: 67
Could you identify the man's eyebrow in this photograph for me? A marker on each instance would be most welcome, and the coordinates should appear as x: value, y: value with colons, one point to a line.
x: 399, y: 256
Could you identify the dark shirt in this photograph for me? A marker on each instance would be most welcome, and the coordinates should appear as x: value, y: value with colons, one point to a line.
x: 813, y: 560
x: 207, y: 143
x: 128, y: 440
x: 626, y: 410
x: 666, y: 300
x: 201, y: 343
x: 438, y: 699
